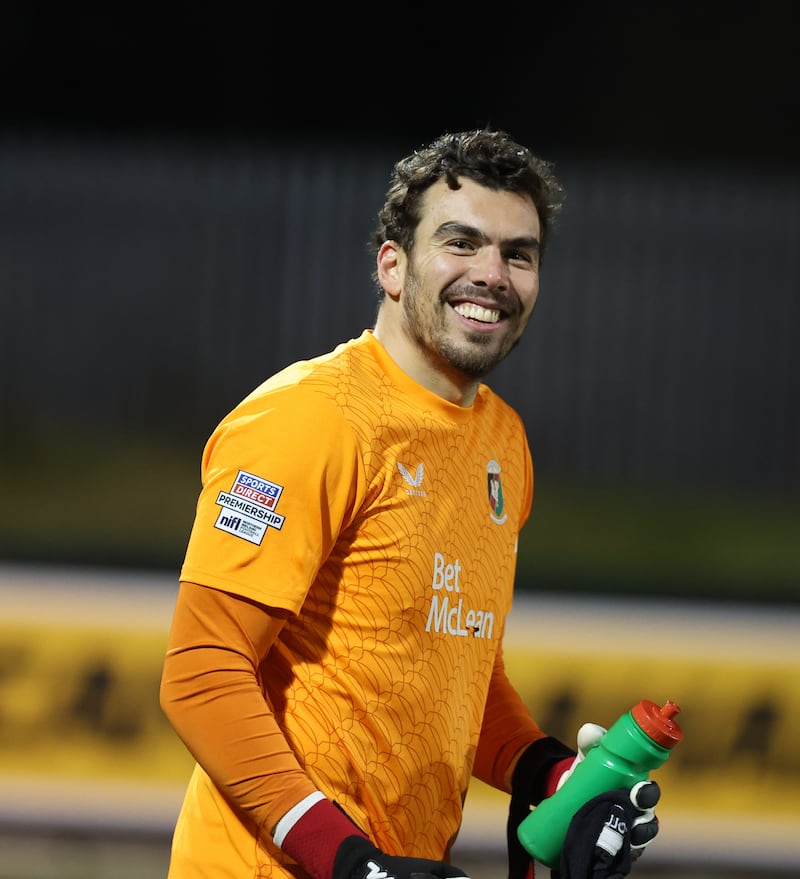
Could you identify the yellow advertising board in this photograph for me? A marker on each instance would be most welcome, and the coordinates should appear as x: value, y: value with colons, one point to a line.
x: 80, y: 665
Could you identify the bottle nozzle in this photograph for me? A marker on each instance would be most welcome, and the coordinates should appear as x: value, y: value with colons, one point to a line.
x: 657, y: 722
x: 669, y: 710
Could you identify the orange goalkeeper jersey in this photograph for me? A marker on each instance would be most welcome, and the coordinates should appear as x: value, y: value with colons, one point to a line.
x: 385, y: 519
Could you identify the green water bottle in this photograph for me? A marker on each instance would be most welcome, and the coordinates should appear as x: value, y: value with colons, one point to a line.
x: 638, y: 742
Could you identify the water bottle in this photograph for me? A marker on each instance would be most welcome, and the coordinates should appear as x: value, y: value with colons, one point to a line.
x: 638, y: 742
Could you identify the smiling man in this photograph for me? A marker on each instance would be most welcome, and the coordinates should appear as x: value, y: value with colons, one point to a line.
x: 457, y: 298
x: 335, y: 659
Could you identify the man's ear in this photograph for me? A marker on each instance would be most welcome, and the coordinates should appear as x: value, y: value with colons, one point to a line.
x: 391, y: 262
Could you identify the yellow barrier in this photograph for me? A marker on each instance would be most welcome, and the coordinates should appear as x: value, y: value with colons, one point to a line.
x: 81, y: 654
x: 80, y: 666
x: 84, y: 703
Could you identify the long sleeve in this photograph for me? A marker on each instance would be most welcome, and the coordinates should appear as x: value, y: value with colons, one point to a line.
x: 211, y: 695
x: 507, y: 730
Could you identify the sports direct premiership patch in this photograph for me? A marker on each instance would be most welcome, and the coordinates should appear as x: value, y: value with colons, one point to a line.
x: 248, y: 509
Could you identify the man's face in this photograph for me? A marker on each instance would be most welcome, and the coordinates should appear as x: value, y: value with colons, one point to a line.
x: 472, y: 279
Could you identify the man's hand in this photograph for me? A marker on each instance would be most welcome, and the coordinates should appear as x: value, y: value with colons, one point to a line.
x: 645, y: 797
x: 609, y: 833
x: 328, y: 845
x: 612, y: 830
x: 358, y: 858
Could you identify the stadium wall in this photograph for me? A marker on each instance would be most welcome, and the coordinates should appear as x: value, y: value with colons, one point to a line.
x: 147, y: 286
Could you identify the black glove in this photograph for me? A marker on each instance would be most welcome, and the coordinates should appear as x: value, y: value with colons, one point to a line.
x: 358, y: 858
x: 328, y: 844
x: 529, y: 786
x: 607, y: 834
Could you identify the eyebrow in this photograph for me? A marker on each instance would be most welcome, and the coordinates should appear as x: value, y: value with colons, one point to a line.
x: 523, y: 242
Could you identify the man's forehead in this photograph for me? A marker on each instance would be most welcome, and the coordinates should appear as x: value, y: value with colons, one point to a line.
x: 476, y: 205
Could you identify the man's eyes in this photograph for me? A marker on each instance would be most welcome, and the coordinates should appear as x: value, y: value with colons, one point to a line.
x: 461, y: 244
x: 513, y: 256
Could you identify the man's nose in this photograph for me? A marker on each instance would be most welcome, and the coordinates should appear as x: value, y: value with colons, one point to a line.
x: 489, y: 269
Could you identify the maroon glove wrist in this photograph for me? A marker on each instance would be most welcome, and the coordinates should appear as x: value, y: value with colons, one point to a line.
x: 328, y: 845
x: 315, y: 838
x: 554, y: 775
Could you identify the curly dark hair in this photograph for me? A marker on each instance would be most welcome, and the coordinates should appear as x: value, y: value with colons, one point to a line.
x: 491, y: 158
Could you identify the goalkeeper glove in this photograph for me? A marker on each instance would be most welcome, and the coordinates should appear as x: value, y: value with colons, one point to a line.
x: 328, y: 845
x: 616, y: 827
x: 607, y: 834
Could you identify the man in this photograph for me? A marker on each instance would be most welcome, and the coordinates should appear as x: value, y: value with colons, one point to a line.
x: 335, y: 661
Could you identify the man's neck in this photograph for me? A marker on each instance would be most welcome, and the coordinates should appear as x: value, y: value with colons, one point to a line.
x: 446, y: 383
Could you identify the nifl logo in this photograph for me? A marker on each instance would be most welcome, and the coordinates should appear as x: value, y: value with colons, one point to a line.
x: 495, y: 490
x: 415, y: 480
x: 232, y: 523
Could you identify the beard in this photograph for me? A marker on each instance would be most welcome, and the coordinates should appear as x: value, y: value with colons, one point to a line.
x: 473, y: 354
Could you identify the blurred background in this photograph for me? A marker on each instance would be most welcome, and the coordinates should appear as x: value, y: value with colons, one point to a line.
x: 185, y: 201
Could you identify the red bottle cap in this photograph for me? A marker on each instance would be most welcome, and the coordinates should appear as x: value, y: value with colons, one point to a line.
x: 657, y: 722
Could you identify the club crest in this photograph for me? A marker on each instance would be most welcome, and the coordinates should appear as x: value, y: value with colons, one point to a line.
x: 495, y: 491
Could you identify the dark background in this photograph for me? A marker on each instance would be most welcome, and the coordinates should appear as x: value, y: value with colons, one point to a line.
x: 666, y: 81
x: 138, y: 151
x: 139, y: 163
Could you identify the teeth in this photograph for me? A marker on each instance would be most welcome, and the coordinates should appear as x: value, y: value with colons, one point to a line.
x: 478, y: 312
